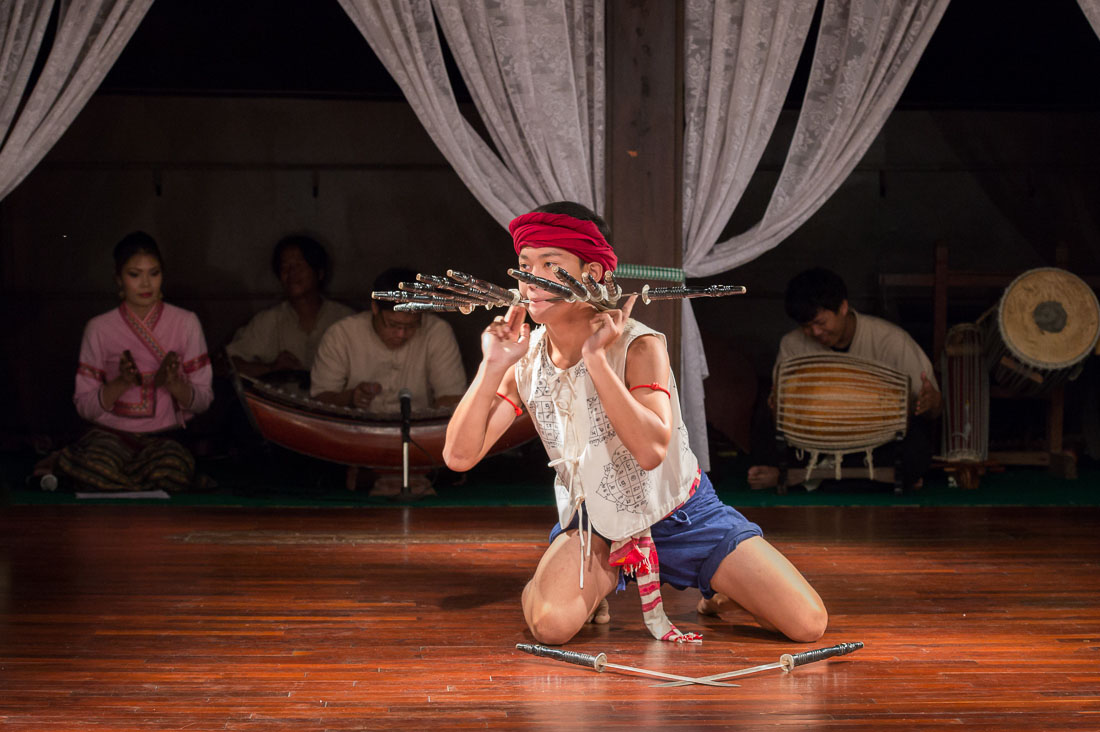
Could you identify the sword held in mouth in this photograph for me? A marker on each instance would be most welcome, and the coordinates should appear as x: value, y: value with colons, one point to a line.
x: 599, y: 663
x: 463, y: 293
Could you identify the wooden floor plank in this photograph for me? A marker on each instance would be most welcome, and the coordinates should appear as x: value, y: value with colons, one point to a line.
x: 165, y: 618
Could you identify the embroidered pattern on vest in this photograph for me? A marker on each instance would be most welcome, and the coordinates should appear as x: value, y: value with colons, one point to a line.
x: 543, y: 412
x: 601, y: 430
x: 685, y: 445
x: 624, y: 482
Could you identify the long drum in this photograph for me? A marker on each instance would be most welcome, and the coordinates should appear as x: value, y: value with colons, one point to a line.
x: 1046, y: 324
x: 965, y: 383
x: 840, y: 403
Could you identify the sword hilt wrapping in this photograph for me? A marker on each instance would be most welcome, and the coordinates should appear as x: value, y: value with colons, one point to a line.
x: 571, y: 282
x: 550, y: 286
x: 818, y: 654
x: 580, y: 659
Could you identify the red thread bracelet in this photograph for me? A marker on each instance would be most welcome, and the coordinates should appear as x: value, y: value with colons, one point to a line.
x: 654, y: 386
x: 518, y: 410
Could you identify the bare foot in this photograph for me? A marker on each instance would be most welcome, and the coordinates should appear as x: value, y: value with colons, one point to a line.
x: 713, y: 605
x: 601, y: 615
x: 719, y: 604
x: 763, y: 476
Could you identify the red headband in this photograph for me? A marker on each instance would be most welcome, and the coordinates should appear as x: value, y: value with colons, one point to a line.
x: 577, y: 236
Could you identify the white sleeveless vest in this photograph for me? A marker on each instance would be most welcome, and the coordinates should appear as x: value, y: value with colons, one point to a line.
x: 593, y: 466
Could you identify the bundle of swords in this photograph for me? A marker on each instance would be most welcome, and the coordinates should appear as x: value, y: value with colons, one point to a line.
x: 787, y: 662
x: 460, y: 292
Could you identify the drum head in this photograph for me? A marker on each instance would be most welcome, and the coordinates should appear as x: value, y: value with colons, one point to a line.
x: 1049, y: 318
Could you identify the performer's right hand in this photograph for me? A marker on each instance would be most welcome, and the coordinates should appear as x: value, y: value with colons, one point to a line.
x: 505, y: 340
x: 127, y: 369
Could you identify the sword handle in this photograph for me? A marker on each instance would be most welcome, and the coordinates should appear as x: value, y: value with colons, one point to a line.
x: 580, y: 659
x: 818, y: 654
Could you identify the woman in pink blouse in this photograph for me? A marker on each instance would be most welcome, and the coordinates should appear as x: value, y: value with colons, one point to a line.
x: 143, y: 372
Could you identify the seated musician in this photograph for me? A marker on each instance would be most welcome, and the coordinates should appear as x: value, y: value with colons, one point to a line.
x: 365, y: 360
x: 143, y: 373
x: 817, y: 300
x: 285, y: 337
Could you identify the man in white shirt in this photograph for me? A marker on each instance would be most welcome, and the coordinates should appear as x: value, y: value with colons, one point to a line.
x: 285, y: 337
x: 817, y: 300
x: 365, y: 360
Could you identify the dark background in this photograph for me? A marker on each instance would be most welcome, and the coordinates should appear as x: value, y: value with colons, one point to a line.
x: 1014, y: 54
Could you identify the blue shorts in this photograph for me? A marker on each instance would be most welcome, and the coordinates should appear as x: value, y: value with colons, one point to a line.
x: 693, y: 540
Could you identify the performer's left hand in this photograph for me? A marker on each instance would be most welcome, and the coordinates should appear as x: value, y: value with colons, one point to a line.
x: 607, y: 326
x: 929, y: 400
x: 170, y: 377
x: 169, y: 370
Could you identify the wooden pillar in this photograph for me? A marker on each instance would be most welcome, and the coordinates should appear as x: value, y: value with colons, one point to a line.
x: 939, y: 304
x: 644, y: 141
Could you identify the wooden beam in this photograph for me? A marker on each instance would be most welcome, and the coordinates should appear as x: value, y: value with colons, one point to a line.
x: 645, y: 122
x: 955, y: 280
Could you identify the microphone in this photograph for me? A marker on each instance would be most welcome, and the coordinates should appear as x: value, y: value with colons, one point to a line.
x: 406, y: 412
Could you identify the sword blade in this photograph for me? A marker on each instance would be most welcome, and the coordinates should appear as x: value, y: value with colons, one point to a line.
x: 787, y: 661
x: 678, y: 680
x: 727, y: 674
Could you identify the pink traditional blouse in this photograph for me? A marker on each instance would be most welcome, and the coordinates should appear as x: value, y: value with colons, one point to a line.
x: 144, y: 408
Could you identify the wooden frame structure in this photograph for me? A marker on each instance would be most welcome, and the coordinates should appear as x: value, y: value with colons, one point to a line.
x: 942, y: 281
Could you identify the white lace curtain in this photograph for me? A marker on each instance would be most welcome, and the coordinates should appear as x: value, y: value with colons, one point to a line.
x: 739, y: 57
x: 866, y: 51
x: 1091, y: 9
x: 535, y: 71
x: 89, y: 37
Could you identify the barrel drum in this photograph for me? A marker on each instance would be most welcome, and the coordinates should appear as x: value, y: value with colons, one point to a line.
x: 840, y: 404
x: 1046, y: 323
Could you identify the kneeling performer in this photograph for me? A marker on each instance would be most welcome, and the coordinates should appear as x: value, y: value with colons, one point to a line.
x: 628, y: 488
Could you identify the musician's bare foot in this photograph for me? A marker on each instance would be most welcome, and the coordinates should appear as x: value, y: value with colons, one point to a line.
x: 763, y: 476
x: 601, y: 615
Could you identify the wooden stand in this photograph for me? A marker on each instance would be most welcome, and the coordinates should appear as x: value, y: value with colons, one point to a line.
x: 796, y: 476
x: 1053, y: 455
x: 789, y: 476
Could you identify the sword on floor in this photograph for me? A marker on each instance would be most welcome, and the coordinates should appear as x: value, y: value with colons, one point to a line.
x: 599, y: 662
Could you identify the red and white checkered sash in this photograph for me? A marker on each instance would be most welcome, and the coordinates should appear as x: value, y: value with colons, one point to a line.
x: 637, y: 557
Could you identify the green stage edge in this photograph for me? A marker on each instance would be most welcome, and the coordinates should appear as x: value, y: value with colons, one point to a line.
x: 521, y: 479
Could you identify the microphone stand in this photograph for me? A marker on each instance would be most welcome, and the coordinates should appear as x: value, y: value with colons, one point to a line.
x: 406, y: 425
x: 406, y: 492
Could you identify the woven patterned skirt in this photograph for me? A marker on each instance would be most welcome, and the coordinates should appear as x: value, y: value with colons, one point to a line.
x: 104, y: 460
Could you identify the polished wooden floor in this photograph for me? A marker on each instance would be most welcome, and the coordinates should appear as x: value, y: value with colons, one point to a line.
x: 151, y: 618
